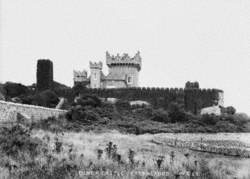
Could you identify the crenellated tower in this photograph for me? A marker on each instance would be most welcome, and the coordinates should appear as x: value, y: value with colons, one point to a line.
x: 95, y: 74
x: 80, y: 77
x: 126, y: 67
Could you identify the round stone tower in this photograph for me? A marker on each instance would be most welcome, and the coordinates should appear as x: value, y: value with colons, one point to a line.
x: 125, y: 67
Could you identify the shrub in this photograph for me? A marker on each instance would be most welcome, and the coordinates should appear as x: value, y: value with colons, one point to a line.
x: 176, y: 113
x: 159, y: 161
x: 88, y: 100
x: 209, y: 119
x: 230, y: 110
x: 122, y: 105
x: 160, y: 115
x: 15, y: 89
x: 86, y: 109
x: 99, y: 154
x: 131, y: 156
x: 111, y: 151
x: 17, y: 138
x: 224, y: 126
x: 46, y: 98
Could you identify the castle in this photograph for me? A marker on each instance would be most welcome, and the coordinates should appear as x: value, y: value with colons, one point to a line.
x: 123, y: 72
x: 122, y: 82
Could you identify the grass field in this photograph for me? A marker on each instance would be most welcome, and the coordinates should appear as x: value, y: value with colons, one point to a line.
x: 147, y: 151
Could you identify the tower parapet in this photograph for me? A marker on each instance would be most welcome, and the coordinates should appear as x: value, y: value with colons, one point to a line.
x: 95, y: 65
x: 192, y: 85
x: 125, y: 59
x: 80, y: 76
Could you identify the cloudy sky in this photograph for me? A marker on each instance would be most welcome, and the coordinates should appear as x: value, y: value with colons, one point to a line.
x: 196, y: 40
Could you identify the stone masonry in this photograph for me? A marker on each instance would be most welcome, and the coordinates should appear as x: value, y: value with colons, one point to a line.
x: 8, y: 111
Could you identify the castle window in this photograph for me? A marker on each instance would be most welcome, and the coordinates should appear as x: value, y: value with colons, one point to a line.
x: 95, y: 76
x: 129, y: 80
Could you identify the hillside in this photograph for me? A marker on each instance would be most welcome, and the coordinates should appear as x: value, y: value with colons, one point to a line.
x: 89, y: 113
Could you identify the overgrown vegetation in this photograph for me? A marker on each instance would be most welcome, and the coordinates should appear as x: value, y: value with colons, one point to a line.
x: 90, y: 113
x: 25, y: 156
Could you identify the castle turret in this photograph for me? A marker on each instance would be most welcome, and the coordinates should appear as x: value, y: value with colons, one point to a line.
x: 125, y: 66
x: 80, y: 77
x: 95, y: 74
x: 192, y: 85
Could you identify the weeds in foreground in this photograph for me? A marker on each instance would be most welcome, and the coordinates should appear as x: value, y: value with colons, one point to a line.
x: 26, y: 157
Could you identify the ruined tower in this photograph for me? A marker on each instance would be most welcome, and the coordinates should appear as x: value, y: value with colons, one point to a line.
x: 95, y: 74
x: 124, y: 67
x: 44, y: 74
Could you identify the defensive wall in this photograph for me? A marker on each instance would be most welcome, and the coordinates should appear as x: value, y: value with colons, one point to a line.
x: 191, y: 99
x: 8, y: 110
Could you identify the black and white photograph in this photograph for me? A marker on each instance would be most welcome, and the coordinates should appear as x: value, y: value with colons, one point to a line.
x: 124, y: 89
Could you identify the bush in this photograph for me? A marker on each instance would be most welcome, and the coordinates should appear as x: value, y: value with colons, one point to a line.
x: 176, y: 113
x: 230, y: 110
x: 209, y: 119
x: 224, y: 126
x: 122, y: 105
x: 86, y: 109
x: 160, y: 115
x: 17, y: 138
x: 15, y: 89
x: 46, y: 98
x: 88, y: 100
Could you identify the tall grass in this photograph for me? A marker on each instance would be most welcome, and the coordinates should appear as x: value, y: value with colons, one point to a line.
x: 106, y: 155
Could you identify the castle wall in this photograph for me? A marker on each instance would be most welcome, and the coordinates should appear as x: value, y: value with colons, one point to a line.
x: 113, y: 84
x: 158, y: 97
x: 192, y: 100
x: 8, y: 111
x: 196, y: 99
x: 126, y: 70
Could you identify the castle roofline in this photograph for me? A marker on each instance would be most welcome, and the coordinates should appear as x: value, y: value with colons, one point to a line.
x: 125, y: 59
x: 95, y: 65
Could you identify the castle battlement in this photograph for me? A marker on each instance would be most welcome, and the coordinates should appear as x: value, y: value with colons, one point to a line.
x: 124, y: 59
x: 80, y: 75
x: 95, y: 65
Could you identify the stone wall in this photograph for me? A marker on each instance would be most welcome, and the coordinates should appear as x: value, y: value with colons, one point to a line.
x: 126, y: 71
x: 8, y: 110
x: 234, y: 150
x: 192, y: 99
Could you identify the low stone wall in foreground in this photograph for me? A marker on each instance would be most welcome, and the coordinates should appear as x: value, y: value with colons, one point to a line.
x: 238, y: 151
x: 8, y: 111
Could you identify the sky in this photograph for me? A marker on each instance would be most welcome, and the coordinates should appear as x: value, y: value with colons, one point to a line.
x: 186, y: 40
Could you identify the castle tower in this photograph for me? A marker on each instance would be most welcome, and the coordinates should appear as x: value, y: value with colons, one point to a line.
x: 125, y: 67
x: 80, y: 77
x: 95, y: 74
x: 44, y: 74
